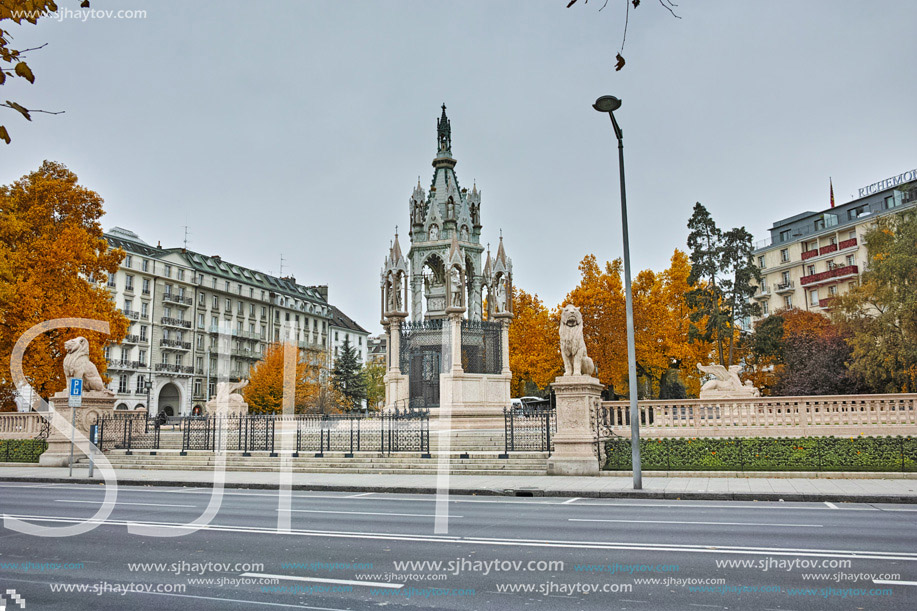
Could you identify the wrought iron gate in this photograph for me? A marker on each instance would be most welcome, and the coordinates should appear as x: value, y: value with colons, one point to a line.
x: 421, y: 361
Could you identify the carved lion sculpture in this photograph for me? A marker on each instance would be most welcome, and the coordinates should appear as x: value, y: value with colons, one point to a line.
x: 78, y: 365
x: 226, y: 393
x: 572, y: 345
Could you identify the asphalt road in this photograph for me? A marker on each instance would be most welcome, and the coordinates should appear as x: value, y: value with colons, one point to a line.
x: 347, y: 551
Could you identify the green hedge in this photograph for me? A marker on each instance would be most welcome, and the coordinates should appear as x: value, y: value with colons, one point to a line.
x: 22, y: 450
x: 767, y: 454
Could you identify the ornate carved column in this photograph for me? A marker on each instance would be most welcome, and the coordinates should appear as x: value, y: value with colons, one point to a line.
x: 416, y: 297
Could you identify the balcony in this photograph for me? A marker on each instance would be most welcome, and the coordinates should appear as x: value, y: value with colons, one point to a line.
x: 177, y: 369
x: 763, y: 293
x: 130, y: 339
x: 132, y: 314
x: 848, y: 243
x: 832, y: 275
x: 785, y: 287
x: 809, y: 254
x: 145, y: 291
x: 244, y: 353
x: 177, y: 299
x: 122, y: 365
x: 826, y: 249
x: 129, y: 288
x: 174, y: 344
x: 827, y: 302
x: 175, y: 322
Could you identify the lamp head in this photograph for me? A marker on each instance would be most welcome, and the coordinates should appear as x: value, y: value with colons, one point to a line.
x: 607, y: 103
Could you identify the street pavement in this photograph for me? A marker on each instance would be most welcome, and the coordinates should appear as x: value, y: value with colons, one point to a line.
x: 367, y: 550
x: 787, y: 487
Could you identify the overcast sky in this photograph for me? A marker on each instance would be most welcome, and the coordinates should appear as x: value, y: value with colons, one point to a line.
x: 301, y: 127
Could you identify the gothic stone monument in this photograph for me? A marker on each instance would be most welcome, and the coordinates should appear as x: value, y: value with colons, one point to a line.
x: 447, y: 355
x: 577, y: 394
x: 97, y: 401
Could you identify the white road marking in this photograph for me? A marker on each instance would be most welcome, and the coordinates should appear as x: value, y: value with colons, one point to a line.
x: 573, y: 500
x: 122, y: 503
x: 831, y: 505
x: 710, y: 523
x: 440, y: 539
x: 895, y: 583
x: 370, y: 513
x: 356, y: 496
x: 345, y: 582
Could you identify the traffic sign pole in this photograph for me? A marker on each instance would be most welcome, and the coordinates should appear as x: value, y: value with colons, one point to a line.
x: 74, y: 401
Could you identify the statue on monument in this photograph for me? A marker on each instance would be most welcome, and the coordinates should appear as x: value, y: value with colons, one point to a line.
x: 456, y: 288
x: 226, y: 396
x: 500, y: 296
x: 395, y: 295
x: 727, y: 384
x: 78, y: 365
x: 572, y: 344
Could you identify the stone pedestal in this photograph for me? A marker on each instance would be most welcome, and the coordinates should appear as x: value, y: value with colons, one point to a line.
x: 95, y: 404
x: 232, y: 408
x: 574, y: 442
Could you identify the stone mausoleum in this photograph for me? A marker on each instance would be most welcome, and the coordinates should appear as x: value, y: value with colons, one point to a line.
x: 453, y: 353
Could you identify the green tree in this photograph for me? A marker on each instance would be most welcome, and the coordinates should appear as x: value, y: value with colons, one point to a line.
x: 51, y: 245
x: 723, y: 279
x: 374, y: 382
x: 880, y: 314
x: 347, y: 377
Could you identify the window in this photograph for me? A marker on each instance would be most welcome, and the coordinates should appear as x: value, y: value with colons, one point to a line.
x: 810, y: 270
x: 127, y: 261
x: 129, y: 283
x: 813, y: 297
x: 107, y: 352
x: 851, y: 235
x: 142, y: 357
x: 168, y: 271
x: 167, y: 311
x: 788, y: 301
x: 240, y: 308
x: 128, y: 304
x: 251, y: 310
x: 784, y: 255
x: 143, y: 329
x: 263, y: 310
x: 227, y: 286
x: 851, y: 260
x: 178, y: 359
x: 200, y: 342
x: 229, y: 305
x: 251, y: 292
x: 146, y: 286
x: 141, y: 387
x: 213, y: 282
x: 832, y: 240
x: 889, y: 202
x: 819, y: 224
x: 200, y: 320
x: 181, y: 274
x: 832, y: 290
x: 197, y: 387
x: 764, y: 308
x: 785, y: 279
x: 144, y: 309
x: 263, y: 331
x: 122, y: 384
x: 761, y: 262
x: 165, y: 358
x: 168, y: 290
x: 785, y: 235
x: 335, y: 336
x: 144, y: 265
x: 359, y: 341
x: 211, y: 388
x: 251, y: 328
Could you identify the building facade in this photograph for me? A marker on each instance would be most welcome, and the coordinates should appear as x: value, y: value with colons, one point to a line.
x: 812, y: 257
x: 196, y: 319
x: 344, y: 328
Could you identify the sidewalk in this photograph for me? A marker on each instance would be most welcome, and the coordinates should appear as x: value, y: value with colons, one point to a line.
x: 606, y: 486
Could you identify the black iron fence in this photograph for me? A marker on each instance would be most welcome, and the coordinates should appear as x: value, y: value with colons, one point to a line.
x: 128, y: 432
x: 528, y: 430
x: 403, y: 430
x: 482, y: 348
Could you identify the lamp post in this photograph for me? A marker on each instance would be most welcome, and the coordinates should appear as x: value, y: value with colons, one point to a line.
x: 609, y: 104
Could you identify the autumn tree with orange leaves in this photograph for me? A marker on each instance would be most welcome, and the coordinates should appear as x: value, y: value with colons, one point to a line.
x: 534, y: 352
x: 51, y: 245
x: 313, y: 393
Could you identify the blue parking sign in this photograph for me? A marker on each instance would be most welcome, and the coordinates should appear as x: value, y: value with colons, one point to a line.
x: 76, y: 393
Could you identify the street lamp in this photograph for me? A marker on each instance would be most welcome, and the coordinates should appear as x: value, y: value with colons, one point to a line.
x: 609, y: 104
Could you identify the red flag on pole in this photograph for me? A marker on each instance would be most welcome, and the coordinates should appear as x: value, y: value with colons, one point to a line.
x: 832, y: 191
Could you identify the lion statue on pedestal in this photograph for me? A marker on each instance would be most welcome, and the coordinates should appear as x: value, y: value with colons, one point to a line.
x: 78, y: 365
x: 572, y: 344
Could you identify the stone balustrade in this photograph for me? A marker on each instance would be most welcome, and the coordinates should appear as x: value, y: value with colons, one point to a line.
x: 20, y: 425
x: 891, y: 414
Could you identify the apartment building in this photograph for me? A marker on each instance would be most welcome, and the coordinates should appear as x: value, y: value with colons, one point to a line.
x: 345, y: 328
x: 812, y: 257
x: 183, y: 304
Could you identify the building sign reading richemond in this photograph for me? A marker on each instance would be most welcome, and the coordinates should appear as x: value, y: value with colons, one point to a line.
x: 888, y: 183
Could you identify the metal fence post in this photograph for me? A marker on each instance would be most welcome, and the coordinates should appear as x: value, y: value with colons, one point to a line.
x: 273, y: 422
x: 246, y: 426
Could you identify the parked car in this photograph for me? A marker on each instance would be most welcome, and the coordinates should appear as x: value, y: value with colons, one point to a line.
x: 528, y: 406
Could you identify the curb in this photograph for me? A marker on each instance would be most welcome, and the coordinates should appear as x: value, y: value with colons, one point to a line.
x: 514, y: 492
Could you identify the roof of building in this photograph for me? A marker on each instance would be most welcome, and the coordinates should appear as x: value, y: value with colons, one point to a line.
x: 339, y: 319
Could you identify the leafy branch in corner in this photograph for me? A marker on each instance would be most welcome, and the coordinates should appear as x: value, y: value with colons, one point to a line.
x: 619, y: 59
x: 12, y: 61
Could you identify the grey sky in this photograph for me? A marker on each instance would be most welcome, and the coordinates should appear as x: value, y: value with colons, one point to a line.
x: 301, y: 127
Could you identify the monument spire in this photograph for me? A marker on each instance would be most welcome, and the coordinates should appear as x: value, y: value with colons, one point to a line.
x: 444, y: 135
